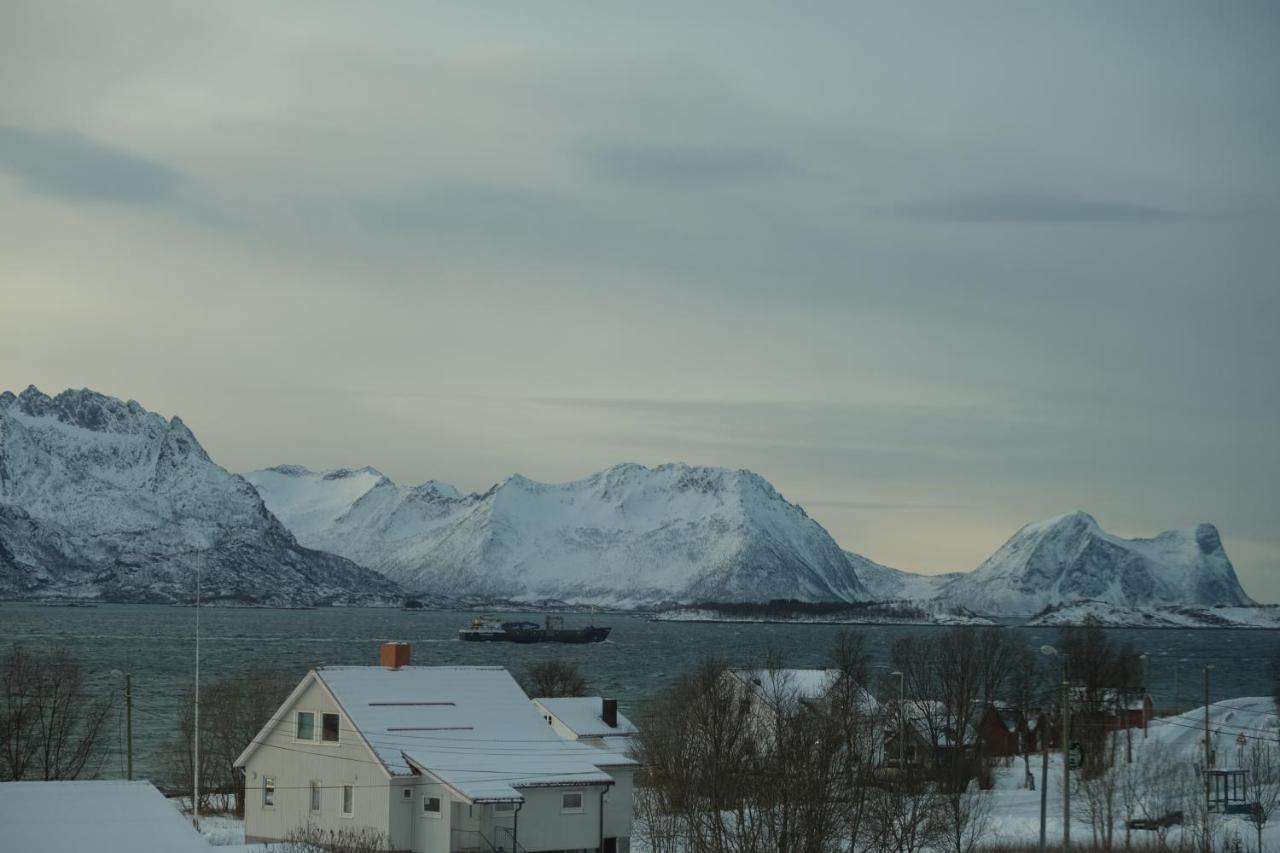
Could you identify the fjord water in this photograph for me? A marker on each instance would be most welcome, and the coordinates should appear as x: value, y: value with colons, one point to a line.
x: 156, y: 645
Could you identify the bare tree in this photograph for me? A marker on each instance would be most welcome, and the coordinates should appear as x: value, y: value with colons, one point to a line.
x: 1099, y: 669
x: 1263, y: 781
x: 699, y: 763
x: 233, y: 712
x: 551, y: 679
x: 1100, y: 796
x: 903, y: 815
x: 966, y: 816
x: 859, y: 726
x: 50, y: 727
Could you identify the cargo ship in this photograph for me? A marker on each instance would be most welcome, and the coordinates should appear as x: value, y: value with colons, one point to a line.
x: 486, y: 629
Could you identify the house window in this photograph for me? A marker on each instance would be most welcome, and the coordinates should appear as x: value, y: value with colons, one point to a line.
x: 348, y: 800
x: 315, y: 798
x: 431, y: 806
x: 406, y: 794
x: 329, y: 728
x: 571, y: 802
x: 268, y: 792
x: 500, y: 808
x: 304, y: 726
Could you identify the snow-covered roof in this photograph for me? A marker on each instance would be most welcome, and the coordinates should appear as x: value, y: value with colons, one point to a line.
x: 802, y: 683
x: 101, y: 816
x: 582, y: 716
x: 472, y: 728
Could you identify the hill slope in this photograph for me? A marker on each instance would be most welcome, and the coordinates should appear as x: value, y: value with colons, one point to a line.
x: 100, y: 498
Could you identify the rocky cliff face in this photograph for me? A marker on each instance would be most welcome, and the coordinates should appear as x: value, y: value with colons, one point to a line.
x: 628, y: 536
x: 100, y: 498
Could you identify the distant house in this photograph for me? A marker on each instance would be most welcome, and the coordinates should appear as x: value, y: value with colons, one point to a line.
x: 766, y: 689
x: 1006, y: 732
x: 437, y: 758
x: 926, y: 735
x: 590, y: 720
x: 102, y: 817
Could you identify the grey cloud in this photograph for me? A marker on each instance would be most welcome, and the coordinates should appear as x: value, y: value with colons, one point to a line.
x: 674, y: 165
x: 68, y: 164
x: 1033, y: 209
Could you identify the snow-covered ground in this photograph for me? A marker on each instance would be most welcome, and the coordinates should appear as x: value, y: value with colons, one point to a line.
x: 1015, y: 815
x: 911, y: 615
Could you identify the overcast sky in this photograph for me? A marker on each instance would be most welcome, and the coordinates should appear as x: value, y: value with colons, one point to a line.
x: 935, y: 270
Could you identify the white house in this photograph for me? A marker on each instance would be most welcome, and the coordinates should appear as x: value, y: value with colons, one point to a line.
x: 440, y: 759
x: 100, y: 816
x: 590, y: 720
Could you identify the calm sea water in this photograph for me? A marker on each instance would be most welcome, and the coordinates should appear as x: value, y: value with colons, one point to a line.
x: 155, y: 644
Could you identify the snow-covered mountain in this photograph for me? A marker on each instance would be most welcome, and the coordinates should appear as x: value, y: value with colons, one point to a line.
x: 100, y: 498
x: 632, y: 536
x: 1070, y: 558
x: 628, y: 536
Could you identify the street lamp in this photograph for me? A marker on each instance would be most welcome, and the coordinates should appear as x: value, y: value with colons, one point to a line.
x: 1208, y: 755
x: 1146, y: 691
x: 902, y: 725
x: 1177, y: 686
x: 1066, y: 737
x: 128, y: 715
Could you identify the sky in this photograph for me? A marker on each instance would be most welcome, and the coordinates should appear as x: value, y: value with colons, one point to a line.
x: 936, y: 270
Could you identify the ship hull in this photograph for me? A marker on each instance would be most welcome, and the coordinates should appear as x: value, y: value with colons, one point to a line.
x: 537, y: 635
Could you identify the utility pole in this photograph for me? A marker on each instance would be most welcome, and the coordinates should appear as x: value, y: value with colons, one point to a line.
x: 1066, y: 758
x: 902, y: 726
x: 1146, y: 692
x: 128, y: 718
x: 1122, y: 716
x: 1043, y: 730
x: 1207, y: 752
x: 195, y: 782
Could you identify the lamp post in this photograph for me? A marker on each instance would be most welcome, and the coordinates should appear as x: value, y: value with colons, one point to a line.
x: 1177, y: 685
x: 902, y: 724
x: 1066, y: 738
x: 1208, y: 755
x: 1146, y: 691
x: 128, y: 716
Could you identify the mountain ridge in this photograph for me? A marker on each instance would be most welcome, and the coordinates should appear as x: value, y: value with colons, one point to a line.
x: 1001, y: 586
x: 653, y: 534
x: 102, y: 499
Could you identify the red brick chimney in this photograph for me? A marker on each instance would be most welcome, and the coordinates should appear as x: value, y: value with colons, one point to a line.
x: 394, y: 655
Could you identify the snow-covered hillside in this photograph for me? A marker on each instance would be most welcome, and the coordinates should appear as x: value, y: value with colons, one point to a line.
x: 100, y: 498
x: 1071, y: 558
x: 628, y: 536
x: 1107, y: 615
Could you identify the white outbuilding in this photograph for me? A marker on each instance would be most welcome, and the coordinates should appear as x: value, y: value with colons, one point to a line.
x: 99, y: 816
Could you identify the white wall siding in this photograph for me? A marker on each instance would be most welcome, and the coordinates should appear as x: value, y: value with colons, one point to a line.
x: 544, y: 826
x: 294, y: 765
x: 618, y: 803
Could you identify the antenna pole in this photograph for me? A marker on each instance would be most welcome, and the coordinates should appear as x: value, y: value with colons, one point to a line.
x: 195, y: 797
